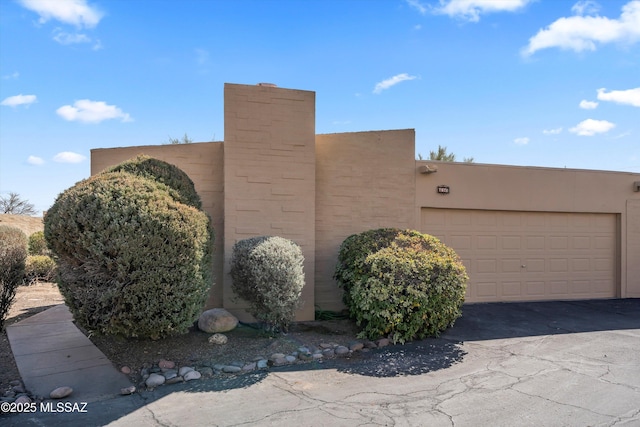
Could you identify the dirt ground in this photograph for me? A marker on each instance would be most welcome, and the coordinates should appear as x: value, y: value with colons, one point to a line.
x: 193, y: 349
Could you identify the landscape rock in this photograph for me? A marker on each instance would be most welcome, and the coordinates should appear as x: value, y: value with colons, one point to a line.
x: 192, y: 375
x: 61, y: 392
x: 249, y: 367
x: 155, y: 380
x: 229, y: 369
x: 166, y: 364
x: 218, y: 339
x: 23, y: 400
x: 128, y: 390
x: 341, y: 350
x: 356, y: 346
x: 170, y: 373
x: 174, y: 380
x: 217, y: 320
x: 206, y: 371
x: 382, y: 342
x: 328, y: 352
x: 262, y: 364
x: 183, y: 371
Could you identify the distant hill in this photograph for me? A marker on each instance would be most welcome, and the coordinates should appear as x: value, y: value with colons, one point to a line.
x: 28, y: 224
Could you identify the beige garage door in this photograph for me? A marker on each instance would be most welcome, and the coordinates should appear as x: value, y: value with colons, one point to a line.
x: 530, y: 256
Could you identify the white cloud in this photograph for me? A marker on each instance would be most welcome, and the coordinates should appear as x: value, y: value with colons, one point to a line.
x: 588, y: 105
x: 68, y: 157
x: 417, y: 6
x: 579, y: 33
x: 74, y: 12
x: 591, y: 127
x: 521, y: 141
x: 585, y: 7
x: 11, y: 76
x: 629, y: 96
x: 14, y: 101
x: 470, y: 10
x: 66, y: 38
x: 34, y: 160
x: 88, y: 111
x: 392, y: 81
x: 555, y: 131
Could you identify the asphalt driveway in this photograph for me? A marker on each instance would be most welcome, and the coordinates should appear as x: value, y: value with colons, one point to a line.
x: 538, y: 364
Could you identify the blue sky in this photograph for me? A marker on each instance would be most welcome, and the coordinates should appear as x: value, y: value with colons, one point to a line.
x: 550, y: 83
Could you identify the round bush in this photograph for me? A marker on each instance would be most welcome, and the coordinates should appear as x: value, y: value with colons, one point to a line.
x: 39, y: 267
x: 400, y: 283
x: 267, y: 272
x: 13, y: 253
x: 38, y: 244
x: 131, y: 259
x: 180, y: 185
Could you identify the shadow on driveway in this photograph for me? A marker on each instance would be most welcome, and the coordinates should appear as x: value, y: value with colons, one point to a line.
x: 513, y: 320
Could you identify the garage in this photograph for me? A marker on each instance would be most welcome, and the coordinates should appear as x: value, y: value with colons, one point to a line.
x: 530, y: 256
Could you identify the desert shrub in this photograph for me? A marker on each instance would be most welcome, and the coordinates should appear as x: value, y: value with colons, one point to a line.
x: 180, y: 185
x: 13, y: 252
x: 267, y: 272
x: 132, y: 260
x: 39, y: 267
x: 400, y: 283
x: 38, y: 244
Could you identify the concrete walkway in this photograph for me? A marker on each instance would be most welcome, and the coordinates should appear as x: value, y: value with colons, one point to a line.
x: 51, y: 352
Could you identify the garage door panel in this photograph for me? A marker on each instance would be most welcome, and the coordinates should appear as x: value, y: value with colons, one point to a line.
x: 581, y: 242
x: 534, y: 265
x: 520, y: 256
x: 579, y: 265
x: 535, y: 242
x: 511, y: 242
x: 512, y: 289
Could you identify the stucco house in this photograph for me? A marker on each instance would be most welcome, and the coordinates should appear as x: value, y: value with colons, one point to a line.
x: 524, y: 233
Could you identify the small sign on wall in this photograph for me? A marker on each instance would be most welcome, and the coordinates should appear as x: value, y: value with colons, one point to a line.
x: 443, y: 189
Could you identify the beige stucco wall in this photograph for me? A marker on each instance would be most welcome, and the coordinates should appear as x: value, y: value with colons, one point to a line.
x: 203, y: 162
x: 269, y: 179
x: 533, y: 189
x: 633, y: 248
x: 364, y: 180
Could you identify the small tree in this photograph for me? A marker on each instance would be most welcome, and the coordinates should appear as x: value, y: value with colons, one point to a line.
x: 13, y: 253
x: 442, y: 156
x: 14, y: 205
x: 185, y: 140
x: 267, y: 272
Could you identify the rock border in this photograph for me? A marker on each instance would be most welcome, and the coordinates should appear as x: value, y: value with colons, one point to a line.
x: 166, y: 372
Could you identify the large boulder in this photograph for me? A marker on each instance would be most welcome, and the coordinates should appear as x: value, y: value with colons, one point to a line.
x: 217, y: 320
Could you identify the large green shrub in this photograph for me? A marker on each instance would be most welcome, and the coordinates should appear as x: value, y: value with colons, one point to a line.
x: 400, y: 283
x: 180, y: 185
x: 13, y: 252
x: 267, y: 272
x: 39, y: 268
x: 38, y: 244
x: 132, y: 259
